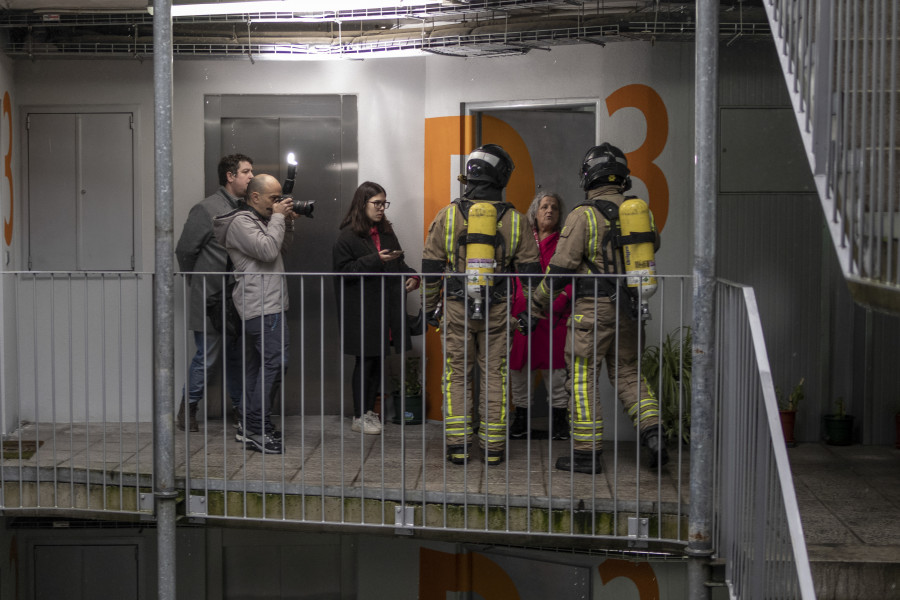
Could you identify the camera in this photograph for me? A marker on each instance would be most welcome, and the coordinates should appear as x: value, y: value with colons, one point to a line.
x: 302, y: 208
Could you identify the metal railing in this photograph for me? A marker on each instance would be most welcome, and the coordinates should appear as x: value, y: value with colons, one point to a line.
x: 77, y: 412
x: 401, y: 479
x: 77, y: 407
x: 757, y: 523
x: 841, y: 61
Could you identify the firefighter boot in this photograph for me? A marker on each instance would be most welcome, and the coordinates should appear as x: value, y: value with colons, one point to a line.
x: 519, y: 428
x: 585, y: 461
x: 560, y: 423
x: 659, y: 456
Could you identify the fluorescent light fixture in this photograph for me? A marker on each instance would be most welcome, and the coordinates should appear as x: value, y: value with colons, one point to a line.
x: 287, y: 6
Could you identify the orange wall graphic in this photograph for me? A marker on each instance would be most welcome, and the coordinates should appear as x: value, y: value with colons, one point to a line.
x: 442, y: 572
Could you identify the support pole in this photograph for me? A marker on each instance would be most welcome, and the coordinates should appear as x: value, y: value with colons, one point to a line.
x: 164, y: 303
x: 703, y: 380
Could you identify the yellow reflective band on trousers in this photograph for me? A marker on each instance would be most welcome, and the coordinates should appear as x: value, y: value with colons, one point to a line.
x: 457, y: 421
x: 649, y: 410
x: 586, y: 427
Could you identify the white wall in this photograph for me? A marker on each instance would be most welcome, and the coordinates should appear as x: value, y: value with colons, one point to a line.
x: 9, y: 213
x: 395, y: 96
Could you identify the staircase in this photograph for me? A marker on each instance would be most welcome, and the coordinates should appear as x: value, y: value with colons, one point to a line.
x: 841, y: 61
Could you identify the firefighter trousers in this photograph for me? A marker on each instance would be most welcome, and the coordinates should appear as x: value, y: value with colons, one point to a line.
x: 596, y: 334
x: 468, y: 342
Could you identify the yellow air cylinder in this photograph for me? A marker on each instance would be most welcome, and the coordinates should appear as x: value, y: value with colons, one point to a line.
x: 482, y: 230
x: 640, y: 258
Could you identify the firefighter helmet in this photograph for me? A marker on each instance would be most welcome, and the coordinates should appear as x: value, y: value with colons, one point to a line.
x: 489, y: 163
x: 604, y: 165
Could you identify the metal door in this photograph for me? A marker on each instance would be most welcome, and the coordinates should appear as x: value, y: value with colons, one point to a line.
x: 321, y: 131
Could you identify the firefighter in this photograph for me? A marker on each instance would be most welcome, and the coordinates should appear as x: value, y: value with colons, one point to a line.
x: 469, y: 241
x: 605, y: 323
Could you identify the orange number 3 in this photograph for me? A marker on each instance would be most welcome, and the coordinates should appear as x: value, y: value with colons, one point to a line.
x: 646, y: 100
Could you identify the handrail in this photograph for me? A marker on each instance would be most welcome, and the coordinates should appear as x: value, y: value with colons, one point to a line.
x: 757, y: 526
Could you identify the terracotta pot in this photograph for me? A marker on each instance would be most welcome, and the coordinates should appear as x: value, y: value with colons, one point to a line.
x: 788, y: 417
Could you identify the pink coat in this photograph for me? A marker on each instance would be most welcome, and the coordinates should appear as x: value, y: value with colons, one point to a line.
x: 540, y: 337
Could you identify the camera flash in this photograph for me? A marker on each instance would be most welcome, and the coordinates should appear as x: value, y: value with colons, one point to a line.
x: 290, y: 159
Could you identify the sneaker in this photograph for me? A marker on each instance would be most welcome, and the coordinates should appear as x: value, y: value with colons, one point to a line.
x: 263, y: 443
x: 236, y: 417
x: 374, y: 420
x: 519, y: 428
x: 457, y: 454
x: 560, y: 423
x: 240, y: 437
x: 365, y: 426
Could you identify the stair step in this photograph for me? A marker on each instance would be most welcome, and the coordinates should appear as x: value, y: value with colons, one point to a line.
x: 847, y: 572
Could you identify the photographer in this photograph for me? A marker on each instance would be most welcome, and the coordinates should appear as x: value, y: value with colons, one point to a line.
x: 198, y: 251
x: 255, y: 235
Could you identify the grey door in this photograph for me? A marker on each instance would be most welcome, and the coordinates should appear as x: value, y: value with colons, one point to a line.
x: 80, y: 191
x: 321, y: 131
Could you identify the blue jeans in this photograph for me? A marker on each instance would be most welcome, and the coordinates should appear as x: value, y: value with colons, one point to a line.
x: 266, y: 346
x: 208, y: 349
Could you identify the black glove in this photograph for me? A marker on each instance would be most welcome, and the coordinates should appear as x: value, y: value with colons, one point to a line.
x: 526, y: 324
x: 435, y: 316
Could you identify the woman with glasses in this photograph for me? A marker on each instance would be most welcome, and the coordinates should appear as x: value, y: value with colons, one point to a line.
x: 371, y: 306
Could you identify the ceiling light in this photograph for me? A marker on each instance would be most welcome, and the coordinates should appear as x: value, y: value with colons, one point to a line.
x: 291, y: 6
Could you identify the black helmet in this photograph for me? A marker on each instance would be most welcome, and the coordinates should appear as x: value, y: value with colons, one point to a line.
x: 604, y: 165
x: 489, y: 163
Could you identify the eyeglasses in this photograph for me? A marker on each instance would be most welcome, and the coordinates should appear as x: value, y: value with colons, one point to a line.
x: 384, y: 204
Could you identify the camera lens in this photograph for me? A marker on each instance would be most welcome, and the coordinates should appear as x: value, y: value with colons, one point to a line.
x: 304, y: 208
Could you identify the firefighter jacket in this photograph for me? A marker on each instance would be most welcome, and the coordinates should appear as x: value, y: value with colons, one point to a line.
x: 586, y: 245
x: 445, y: 251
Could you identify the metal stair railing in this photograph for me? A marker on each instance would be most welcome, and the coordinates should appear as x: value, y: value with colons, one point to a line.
x: 756, y: 529
x: 840, y: 60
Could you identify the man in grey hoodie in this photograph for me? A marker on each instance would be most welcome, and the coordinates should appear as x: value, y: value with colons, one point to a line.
x: 255, y: 236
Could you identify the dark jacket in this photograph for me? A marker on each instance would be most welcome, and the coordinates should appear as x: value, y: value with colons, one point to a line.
x: 199, y: 250
x: 371, y: 321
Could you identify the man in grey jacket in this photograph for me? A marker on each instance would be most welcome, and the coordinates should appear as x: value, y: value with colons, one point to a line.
x: 254, y: 236
x: 199, y: 251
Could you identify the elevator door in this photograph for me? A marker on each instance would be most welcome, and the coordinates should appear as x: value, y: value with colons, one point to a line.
x: 321, y: 132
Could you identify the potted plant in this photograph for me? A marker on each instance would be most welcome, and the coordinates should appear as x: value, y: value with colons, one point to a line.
x: 673, y: 363
x: 408, y: 401
x: 839, y: 426
x: 787, y: 410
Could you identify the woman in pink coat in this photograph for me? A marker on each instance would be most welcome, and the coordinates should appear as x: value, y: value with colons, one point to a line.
x: 545, y: 217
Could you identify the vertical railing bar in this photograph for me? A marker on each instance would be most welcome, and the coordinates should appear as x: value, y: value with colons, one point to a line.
x: 103, y: 394
x: 35, y: 363
x: 322, y: 398
x: 443, y: 333
x: 383, y: 401
x: 867, y: 133
x: 137, y: 390
x: 285, y: 344
x: 302, y: 375
x: 880, y: 198
x: 53, y: 387
x: 892, y: 166
x: 362, y: 407
x: 71, y: 393
x: 846, y: 119
x: 121, y: 393
x: 423, y: 364
x: 856, y: 139
x: 87, y: 391
x: 595, y: 408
